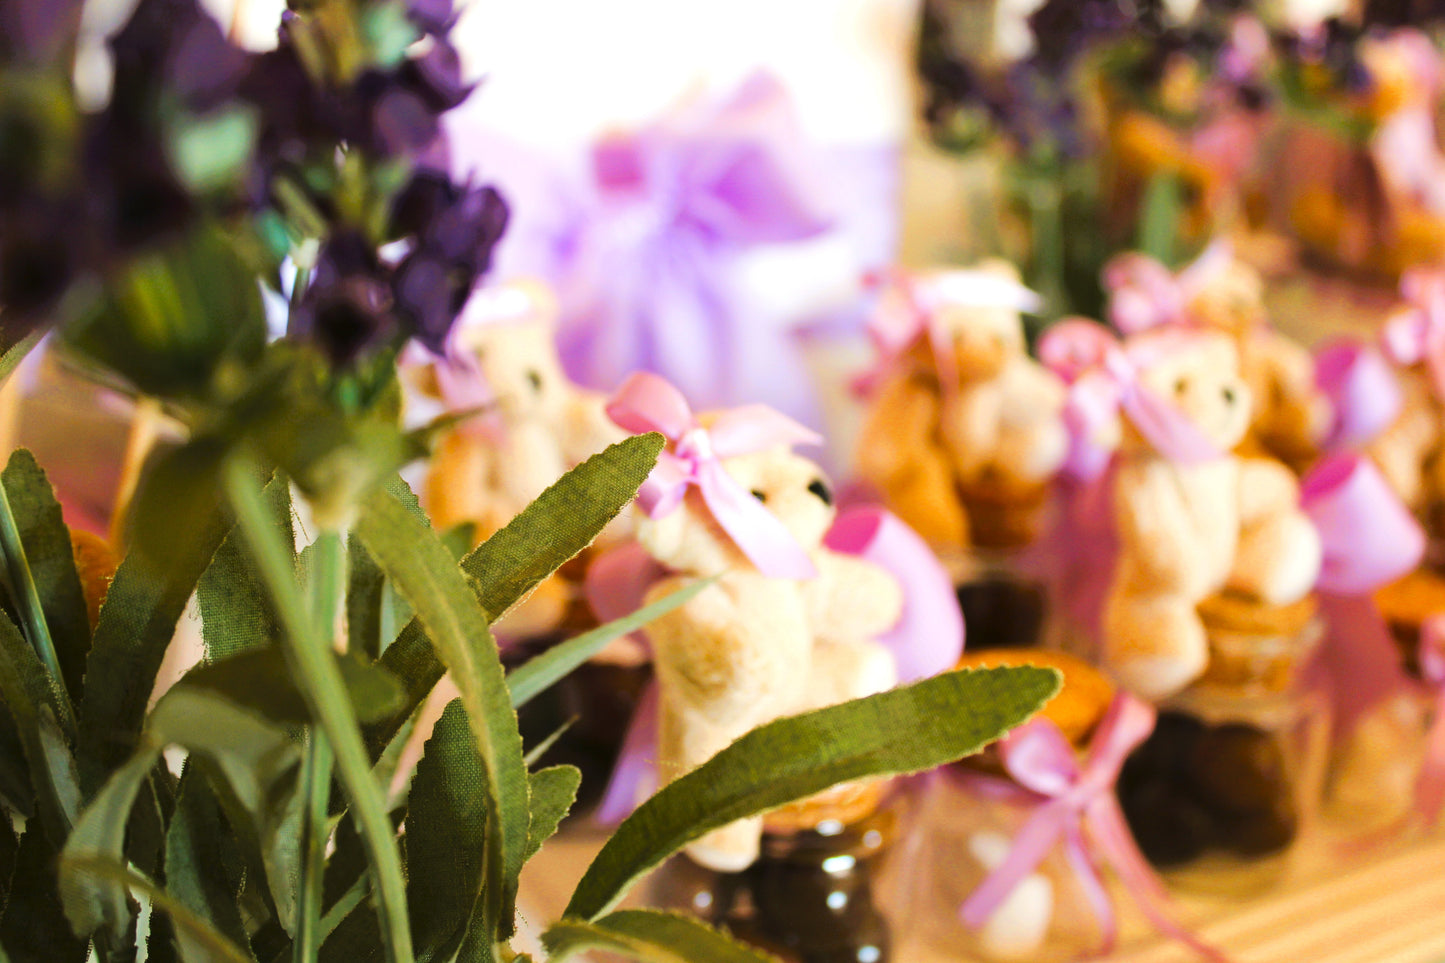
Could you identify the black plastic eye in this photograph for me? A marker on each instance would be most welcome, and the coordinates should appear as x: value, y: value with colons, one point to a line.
x: 821, y: 489
x: 1228, y: 396
x: 1181, y: 386
x: 759, y: 495
x: 535, y: 380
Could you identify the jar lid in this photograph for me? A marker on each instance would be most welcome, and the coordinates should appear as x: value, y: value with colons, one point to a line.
x: 1082, y: 700
x: 1003, y: 514
x: 1253, y: 646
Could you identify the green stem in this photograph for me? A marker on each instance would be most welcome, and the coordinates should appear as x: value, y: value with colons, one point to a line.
x: 32, y: 613
x: 307, y: 651
x: 1044, y: 196
x: 327, y: 578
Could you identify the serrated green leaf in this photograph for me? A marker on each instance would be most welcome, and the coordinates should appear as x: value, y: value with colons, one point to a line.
x: 195, y: 862
x: 366, y: 589
x: 260, y: 680
x: 200, y: 941
x: 52, y: 564
x: 137, y: 621
x: 236, y: 611
x: 648, y: 936
x: 9, y: 852
x: 554, y: 790
x: 28, y: 694
x: 92, y: 902
x: 446, y: 836
x: 541, y: 671
x: 561, y: 522
x: 416, y: 562
x: 535, y: 753
x: 33, y: 926
x: 904, y: 730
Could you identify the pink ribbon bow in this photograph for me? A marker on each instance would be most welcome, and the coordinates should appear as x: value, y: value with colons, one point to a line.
x: 1362, y: 389
x: 1077, y: 806
x: 1416, y: 333
x: 646, y: 402
x: 1430, y: 786
x: 1145, y: 294
x: 1104, y: 381
x: 909, y: 306
x: 1369, y: 537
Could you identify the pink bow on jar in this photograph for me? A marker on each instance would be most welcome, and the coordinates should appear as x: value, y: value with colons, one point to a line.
x: 910, y: 303
x: 1145, y: 294
x: 647, y: 402
x: 1430, y: 785
x: 1104, y: 381
x: 1362, y: 389
x: 1416, y: 333
x: 1078, y: 807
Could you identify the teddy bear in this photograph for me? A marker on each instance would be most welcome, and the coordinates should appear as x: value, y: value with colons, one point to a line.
x: 786, y: 626
x: 532, y: 426
x: 964, y: 430
x: 1191, y: 526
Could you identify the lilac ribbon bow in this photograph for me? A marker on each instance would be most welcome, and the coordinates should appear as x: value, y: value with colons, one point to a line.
x: 1077, y: 806
x: 1430, y: 785
x: 1145, y: 294
x: 1104, y: 381
x: 1416, y: 333
x: 910, y: 304
x: 646, y: 402
x: 1362, y: 389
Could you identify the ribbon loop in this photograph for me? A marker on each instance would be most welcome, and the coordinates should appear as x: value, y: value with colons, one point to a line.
x: 647, y: 402
x: 1144, y: 294
x: 1415, y: 334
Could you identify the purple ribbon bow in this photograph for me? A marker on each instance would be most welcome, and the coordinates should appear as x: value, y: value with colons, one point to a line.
x: 1145, y: 294
x: 1362, y: 389
x: 646, y: 402
x: 1416, y: 333
x: 1104, y: 381
x: 1077, y: 806
x: 1430, y: 786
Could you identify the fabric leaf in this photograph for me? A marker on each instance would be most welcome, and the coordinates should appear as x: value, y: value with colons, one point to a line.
x: 195, y: 865
x: 34, y: 927
x: 648, y: 936
x: 236, y: 611
x: 908, y: 729
x: 28, y: 694
x: 554, y: 790
x: 259, y: 679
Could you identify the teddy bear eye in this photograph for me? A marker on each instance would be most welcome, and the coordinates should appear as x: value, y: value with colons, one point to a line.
x: 1228, y: 396
x: 759, y: 495
x: 535, y: 380
x: 821, y: 489
x: 1181, y: 386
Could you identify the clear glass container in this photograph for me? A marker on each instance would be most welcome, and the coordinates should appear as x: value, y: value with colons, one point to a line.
x: 965, y: 825
x: 1232, y: 776
x: 809, y: 898
x: 1004, y: 596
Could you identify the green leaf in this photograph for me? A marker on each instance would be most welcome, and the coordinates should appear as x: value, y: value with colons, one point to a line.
x: 366, y: 588
x: 136, y: 625
x: 27, y: 692
x: 52, y: 564
x: 236, y: 611
x: 648, y: 936
x: 309, y: 655
x: 92, y: 901
x: 535, y: 753
x: 34, y: 927
x: 554, y: 790
x: 415, y: 561
x: 446, y: 836
x: 208, y: 150
x: 195, y: 862
x: 541, y: 671
x: 561, y: 522
x: 259, y: 679
x: 1159, y: 214
x: 16, y: 353
x: 200, y: 941
x: 904, y: 730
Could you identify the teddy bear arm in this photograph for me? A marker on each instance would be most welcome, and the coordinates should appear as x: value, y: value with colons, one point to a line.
x: 585, y: 428
x: 1266, y: 488
x: 851, y: 598
x: 1157, y: 538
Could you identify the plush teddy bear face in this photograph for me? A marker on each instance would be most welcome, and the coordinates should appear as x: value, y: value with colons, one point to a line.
x: 1233, y: 301
x: 790, y: 486
x: 984, y: 339
x: 1199, y: 375
x: 519, y: 362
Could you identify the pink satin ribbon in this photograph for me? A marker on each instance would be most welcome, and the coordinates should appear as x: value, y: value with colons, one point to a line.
x: 1077, y: 808
x: 1145, y: 294
x: 1430, y: 786
x: 646, y: 402
x: 909, y: 306
x: 1362, y: 388
x: 1104, y: 381
x: 1416, y: 333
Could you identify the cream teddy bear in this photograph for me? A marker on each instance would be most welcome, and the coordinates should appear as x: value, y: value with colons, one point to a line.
x: 751, y: 647
x: 963, y: 417
x: 1189, y: 528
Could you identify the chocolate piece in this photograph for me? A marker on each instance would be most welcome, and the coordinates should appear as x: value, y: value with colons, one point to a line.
x: 1002, y: 612
x: 1240, y: 768
x: 1171, y: 828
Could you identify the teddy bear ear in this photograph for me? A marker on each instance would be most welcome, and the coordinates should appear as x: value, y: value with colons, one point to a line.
x: 1000, y: 267
x: 545, y: 308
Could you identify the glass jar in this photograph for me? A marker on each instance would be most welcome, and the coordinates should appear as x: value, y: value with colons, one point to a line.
x: 1231, y: 777
x: 809, y: 897
x: 965, y: 825
x: 1004, y: 597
